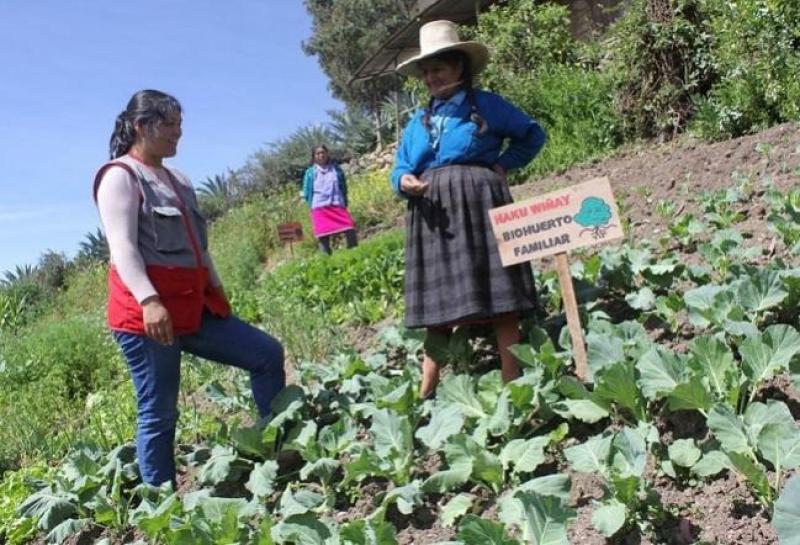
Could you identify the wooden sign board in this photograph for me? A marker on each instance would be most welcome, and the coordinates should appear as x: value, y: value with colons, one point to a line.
x: 574, y: 217
x: 290, y: 232
x: 552, y: 224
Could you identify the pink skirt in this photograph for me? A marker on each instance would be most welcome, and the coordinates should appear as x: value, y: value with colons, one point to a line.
x: 328, y: 220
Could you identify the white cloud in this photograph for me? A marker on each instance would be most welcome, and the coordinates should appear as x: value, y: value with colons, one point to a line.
x: 9, y: 214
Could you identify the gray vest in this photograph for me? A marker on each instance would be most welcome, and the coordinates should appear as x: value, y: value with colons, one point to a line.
x: 162, y: 235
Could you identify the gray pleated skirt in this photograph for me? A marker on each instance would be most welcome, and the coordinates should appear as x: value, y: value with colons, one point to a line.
x: 453, y: 271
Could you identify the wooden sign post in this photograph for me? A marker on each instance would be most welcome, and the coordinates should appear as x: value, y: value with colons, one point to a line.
x: 552, y: 224
x: 290, y: 232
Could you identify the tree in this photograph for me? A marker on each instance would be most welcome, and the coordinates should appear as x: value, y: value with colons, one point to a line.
x: 94, y: 247
x: 539, y: 67
x: 344, y: 34
x: 216, y: 195
x: 356, y: 132
x: 353, y: 129
x: 284, y: 161
x: 51, y: 272
x: 20, y: 275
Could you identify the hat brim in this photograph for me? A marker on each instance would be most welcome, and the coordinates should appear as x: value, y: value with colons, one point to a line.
x: 477, y: 52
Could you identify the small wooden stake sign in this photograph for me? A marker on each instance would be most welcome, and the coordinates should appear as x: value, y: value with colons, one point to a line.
x: 290, y: 232
x: 552, y: 224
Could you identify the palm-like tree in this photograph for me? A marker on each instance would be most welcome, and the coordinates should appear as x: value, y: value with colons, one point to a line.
x: 216, y: 195
x: 19, y: 275
x: 296, y: 149
x: 216, y: 188
x: 284, y: 161
x: 395, y: 110
x: 353, y: 129
x: 94, y: 247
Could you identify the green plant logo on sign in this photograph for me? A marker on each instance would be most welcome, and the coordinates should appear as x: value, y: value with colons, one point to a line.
x: 594, y: 215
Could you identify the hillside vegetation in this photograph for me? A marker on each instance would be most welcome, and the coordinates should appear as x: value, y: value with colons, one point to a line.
x: 686, y: 434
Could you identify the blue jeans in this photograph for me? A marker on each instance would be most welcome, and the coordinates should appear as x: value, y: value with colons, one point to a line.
x: 155, y: 370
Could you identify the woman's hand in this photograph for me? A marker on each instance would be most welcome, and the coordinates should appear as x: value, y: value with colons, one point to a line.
x: 412, y: 185
x: 157, y: 322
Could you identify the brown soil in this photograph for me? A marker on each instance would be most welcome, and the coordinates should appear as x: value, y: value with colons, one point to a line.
x: 186, y: 478
x: 781, y: 388
x: 365, y: 503
x: 93, y: 534
x: 723, y: 510
x: 719, y: 511
x: 681, y: 171
x: 364, y: 337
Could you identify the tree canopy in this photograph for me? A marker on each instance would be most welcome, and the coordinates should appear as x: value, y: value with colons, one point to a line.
x: 344, y: 34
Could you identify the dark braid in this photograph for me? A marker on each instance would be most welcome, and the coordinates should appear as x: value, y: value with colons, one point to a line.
x: 426, y: 119
x: 474, y: 114
x: 123, y: 136
x: 454, y: 57
x: 147, y: 107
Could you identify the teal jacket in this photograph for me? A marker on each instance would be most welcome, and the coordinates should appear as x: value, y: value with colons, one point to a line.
x: 308, y: 184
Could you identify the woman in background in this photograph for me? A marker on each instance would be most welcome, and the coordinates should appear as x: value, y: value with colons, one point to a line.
x: 325, y: 191
x: 164, y: 294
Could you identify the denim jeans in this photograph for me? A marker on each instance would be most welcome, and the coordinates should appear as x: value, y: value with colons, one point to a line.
x: 155, y: 370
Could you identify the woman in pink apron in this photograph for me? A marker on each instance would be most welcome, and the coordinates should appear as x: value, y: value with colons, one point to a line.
x: 325, y: 191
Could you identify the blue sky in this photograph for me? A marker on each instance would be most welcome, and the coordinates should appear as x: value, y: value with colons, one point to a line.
x: 70, y: 67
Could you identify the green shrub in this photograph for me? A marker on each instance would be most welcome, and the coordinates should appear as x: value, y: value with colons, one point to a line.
x: 542, y: 69
x: 37, y: 424
x: 14, y: 488
x: 361, y: 285
x: 757, y: 56
x: 660, y: 59
x: 85, y: 291
x: 574, y: 107
x: 241, y: 240
x: 49, y: 369
x: 77, y: 350
x: 724, y: 68
x: 20, y: 303
x: 13, y: 311
x: 372, y: 201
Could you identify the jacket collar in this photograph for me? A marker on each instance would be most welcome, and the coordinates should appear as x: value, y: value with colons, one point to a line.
x: 457, y: 99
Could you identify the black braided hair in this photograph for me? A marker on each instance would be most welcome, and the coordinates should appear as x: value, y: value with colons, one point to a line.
x: 453, y: 57
x: 148, y: 107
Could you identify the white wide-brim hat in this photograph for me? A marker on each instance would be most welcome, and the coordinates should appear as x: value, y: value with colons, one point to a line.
x: 440, y: 36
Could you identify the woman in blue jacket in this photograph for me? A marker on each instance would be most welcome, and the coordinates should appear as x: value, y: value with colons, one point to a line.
x: 325, y: 191
x: 451, y: 166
